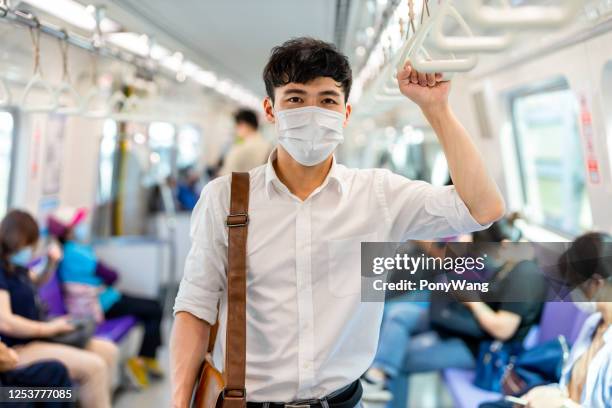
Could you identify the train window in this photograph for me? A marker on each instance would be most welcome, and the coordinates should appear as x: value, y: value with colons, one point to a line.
x: 162, y: 151
x: 188, y: 146
x: 6, y: 152
x: 607, y: 98
x: 108, y: 149
x: 550, y: 158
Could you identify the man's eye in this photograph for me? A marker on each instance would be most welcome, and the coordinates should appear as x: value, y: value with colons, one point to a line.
x: 330, y: 101
x: 294, y: 99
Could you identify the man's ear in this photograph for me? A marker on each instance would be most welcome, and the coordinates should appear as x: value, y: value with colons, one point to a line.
x: 269, y: 109
x: 347, y: 113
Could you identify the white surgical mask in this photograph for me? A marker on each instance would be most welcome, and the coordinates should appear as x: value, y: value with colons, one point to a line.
x: 582, y: 302
x: 309, y: 134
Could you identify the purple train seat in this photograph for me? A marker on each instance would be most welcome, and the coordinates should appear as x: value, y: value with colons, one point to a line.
x: 112, y: 329
x: 115, y: 329
x: 557, y: 318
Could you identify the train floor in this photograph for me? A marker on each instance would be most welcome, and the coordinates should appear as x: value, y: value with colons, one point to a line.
x: 428, y: 391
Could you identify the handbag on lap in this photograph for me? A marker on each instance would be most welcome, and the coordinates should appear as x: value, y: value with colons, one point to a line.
x: 227, y: 389
x: 84, y: 329
x: 537, y: 366
x: 509, y: 369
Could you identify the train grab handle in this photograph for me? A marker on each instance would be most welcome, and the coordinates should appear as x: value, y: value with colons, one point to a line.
x: 38, y: 81
x: 417, y: 54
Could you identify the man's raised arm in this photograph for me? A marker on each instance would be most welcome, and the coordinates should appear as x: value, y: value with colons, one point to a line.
x: 472, y: 181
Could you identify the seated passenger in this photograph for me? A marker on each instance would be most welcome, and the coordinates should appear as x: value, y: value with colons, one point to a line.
x: 51, y: 373
x: 586, y: 380
x: 81, y: 267
x: 411, y: 342
x: 20, y: 318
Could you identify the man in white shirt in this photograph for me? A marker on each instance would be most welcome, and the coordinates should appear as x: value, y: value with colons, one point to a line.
x: 250, y: 150
x: 308, y: 333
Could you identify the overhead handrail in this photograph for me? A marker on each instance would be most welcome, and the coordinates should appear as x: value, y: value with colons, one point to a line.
x: 66, y: 87
x: 6, y: 98
x: 37, y: 78
x: 423, y: 64
x: 467, y: 44
x: 522, y: 16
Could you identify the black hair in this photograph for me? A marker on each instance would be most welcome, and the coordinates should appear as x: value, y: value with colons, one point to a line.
x: 589, y: 255
x: 18, y: 229
x: 247, y: 116
x: 300, y: 60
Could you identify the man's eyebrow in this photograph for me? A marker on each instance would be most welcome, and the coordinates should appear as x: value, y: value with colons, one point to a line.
x: 295, y: 91
x: 330, y: 92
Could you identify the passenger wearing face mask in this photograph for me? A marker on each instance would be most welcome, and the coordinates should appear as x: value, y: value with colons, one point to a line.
x: 21, y: 326
x: 449, y: 334
x: 84, y: 277
x: 309, y: 336
x: 586, y: 379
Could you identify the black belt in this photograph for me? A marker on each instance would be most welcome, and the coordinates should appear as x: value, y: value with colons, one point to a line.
x: 347, y: 398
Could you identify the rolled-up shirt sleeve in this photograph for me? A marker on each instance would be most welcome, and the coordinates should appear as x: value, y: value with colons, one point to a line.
x: 419, y: 210
x: 204, y: 277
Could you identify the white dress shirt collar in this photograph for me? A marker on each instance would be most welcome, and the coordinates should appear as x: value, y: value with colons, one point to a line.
x: 336, y: 174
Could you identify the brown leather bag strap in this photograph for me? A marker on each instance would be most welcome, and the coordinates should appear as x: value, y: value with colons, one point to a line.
x: 235, y: 343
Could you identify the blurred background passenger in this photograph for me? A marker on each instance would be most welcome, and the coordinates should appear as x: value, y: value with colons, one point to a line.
x: 20, y: 318
x: 162, y: 196
x: 450, y: 333
x: 586, y: 380
x: 188, y: 189
x: 81, y: 268
x: 51, y: 373
x: 250, y: 149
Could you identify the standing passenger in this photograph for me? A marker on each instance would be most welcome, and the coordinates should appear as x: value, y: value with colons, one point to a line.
x: 250, y: 149
x: 309, y: 335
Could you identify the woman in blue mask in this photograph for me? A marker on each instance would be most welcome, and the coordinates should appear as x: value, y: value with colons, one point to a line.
x: 80, y: 269
x: 21, y: 325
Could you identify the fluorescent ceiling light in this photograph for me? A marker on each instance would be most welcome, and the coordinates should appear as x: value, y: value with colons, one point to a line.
x: 135, y: 43
x: 206, y: 78
x: 158, y: 52
x: 174, y: 62
x: 138, y: 44
x: 189, y: 68
x: 73, y: 13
